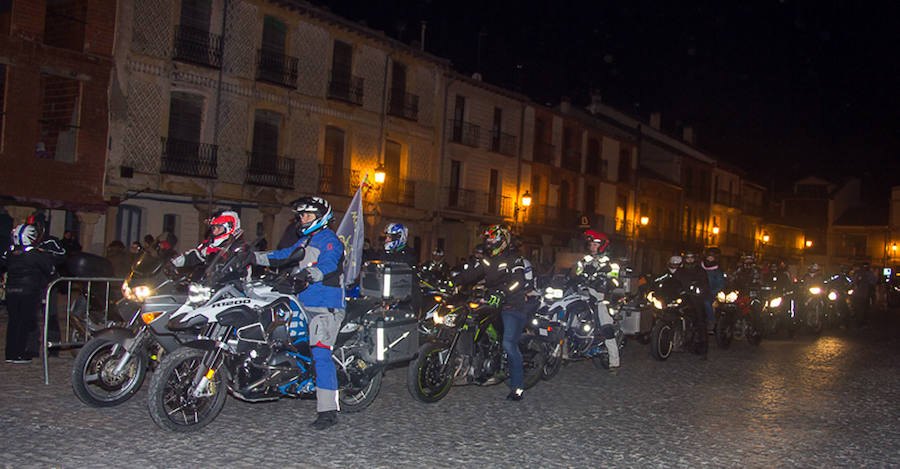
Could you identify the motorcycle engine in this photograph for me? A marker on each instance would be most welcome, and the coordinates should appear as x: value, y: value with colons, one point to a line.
x: 485, y: 363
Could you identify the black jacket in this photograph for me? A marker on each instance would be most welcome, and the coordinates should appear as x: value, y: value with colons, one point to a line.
x: 404, y: 255
x: 28, y: 272
x: 503, y: 273
x: 694, y: 274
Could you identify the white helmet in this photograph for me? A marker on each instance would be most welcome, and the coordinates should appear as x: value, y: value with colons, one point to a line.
x: 228, y: 220
x: 24, y: 235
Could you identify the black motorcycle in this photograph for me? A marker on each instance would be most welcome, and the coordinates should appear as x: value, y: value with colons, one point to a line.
x: 738, y: 314
x: 672, y: 309
x: 467, y: 348
x: 112, y: 365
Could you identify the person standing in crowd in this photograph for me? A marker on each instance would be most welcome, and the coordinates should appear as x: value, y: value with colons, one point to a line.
x: 116, y: 255
x: 28, y: 272
x: 716, y: 278
x: 504, y: 280
x: 593, y: 264
x: 864, y: 281
x: 70, y: 242
x: 318, y: 255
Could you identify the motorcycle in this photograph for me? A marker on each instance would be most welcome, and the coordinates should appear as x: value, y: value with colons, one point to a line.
x: 811, y: 308
x: 737, y: 316
x: 570, y: 319
x: 466, y: 348
x: 841, y: 308
x: 112, y: 365
x: 255, y: 344
x: 673, y: 327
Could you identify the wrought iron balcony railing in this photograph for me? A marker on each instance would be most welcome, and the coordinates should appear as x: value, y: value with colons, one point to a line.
x: 276, y: 68
x: 456, y: 198
x: 560, y: 217
x: 465, y: 133
x: 268, y: 169
x: 197, y: 46
x: 187, y: 158
x: 405, y: 106
x: 571, y: 160
x: 543, y: 152
x: 345, y: 87
x: 503, y: 143
x: 338, y: 181
x: 498, y: 205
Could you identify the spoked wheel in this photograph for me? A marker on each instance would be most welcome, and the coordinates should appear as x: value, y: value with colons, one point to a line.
x: 533, y: 360
x: 553, y: 362
x: 355, y: 400
x: 724, y: 332
x: 424, y: 379
x: 816, y: 319
x: 94, y: 379
x: 662, y: 341
x: 171, y: 401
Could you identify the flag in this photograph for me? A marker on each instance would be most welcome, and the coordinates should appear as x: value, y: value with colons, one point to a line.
x: 351, y: 232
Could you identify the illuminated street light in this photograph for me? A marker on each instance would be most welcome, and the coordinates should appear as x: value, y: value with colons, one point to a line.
x: 379, y: 174
x: 526, y: 199
x: 715, y: 230
x: 765, y: 238
x: 809, y: 243
x: 645, y: 221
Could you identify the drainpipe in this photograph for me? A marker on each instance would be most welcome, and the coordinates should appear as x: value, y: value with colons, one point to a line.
x: 218, y: 103
x: 519, y: 167
x: 443, y: 146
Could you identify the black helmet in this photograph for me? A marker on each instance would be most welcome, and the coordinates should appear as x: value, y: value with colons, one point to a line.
x: 316, y: 205
x: 689, y: 257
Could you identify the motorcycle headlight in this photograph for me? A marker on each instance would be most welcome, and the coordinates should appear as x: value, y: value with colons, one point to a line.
x: 775, y: 302
x: 126, y: 291
x: 731, y: 297
x: 553, y: 293
x: 142, y: 292
x: 815, y: 290
x: 720, y: 296
x: 849, y: 292
x: 655, y: 302
x: 198, y: 294
x: 832, y: 295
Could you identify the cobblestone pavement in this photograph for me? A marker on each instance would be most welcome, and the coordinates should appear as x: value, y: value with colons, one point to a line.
x: 826, y: 402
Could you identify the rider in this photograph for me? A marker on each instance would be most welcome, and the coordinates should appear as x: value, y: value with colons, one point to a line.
x: 716, y: 277
x: 436, y: 268
x: 395, y: 247
x: 29, y: 270
x: 224, y: 226
x: 864, y: 282
x: 691, y: 274
x: 319, y: 255
x: 747, y: 276
x: 504, y: 276
x: 589, y: 267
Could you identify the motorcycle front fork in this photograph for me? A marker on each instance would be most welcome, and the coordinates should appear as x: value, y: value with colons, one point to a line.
x: 205, y: 373
x: 131, y: 346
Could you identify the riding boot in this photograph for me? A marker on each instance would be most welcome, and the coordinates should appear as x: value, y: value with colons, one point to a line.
x: 324, y: 420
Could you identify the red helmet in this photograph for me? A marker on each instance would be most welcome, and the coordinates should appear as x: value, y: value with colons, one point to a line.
x: 231, y: 223
x: 597, y: 237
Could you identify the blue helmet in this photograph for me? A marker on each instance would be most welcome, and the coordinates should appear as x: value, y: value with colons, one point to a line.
x: 316, y: 205
x: 394, y: 237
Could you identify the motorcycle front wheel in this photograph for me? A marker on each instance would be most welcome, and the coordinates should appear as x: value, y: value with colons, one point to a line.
x: 724, y: 332
x: 816, y: 319
x: 553, y: 360
x: 662, y: 341
x: 171, y: 403
x: 533, y: 360
x: 355, y: 400
x: 93, y: 379
x: 424, y: 379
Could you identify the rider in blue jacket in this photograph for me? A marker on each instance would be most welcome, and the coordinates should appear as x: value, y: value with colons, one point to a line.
x: 320, y: 267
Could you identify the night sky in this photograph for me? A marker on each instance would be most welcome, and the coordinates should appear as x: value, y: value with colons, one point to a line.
x: 781, y: 88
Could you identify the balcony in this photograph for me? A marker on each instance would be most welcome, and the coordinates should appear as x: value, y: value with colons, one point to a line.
x: 459, y: 199
x: 543, y: 152
x: 503, y: 143
x: 499, y: 206
x: 186, y: 158
x: 547, y: 215
x: 465, y: 133
x: 402, y: 192
x: 571, y: 160
x: 197, y: 47
x: 276, y: 68
x: 345, y: 87
x: 404, y: 106
x: 267, y: 169
x: 337, y: 181
x: 726, y: 198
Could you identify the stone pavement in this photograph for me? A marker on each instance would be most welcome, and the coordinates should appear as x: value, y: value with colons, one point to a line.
x: 826, y: 402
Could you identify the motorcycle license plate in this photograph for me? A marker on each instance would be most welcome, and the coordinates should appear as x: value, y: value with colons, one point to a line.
x: 543, y: 331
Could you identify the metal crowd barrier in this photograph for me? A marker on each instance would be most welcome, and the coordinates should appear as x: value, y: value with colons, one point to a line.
x: 85, y: 326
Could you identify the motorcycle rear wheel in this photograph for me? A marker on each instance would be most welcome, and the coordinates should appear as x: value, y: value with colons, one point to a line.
x: 662, y: 341
x: 169, y: 401
x: 357, y: 400
x: 533, y: 360
x: 92, y: 379
x: 724, y: 332
x: 424, y: 380
x: 553, y: 361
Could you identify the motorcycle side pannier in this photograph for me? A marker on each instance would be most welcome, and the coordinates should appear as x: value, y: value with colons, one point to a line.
x: 634, y: 321
x: 396, y: 333
x: 387, y: 280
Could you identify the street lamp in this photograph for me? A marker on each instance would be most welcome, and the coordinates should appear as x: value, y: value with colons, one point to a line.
x: 379, y: 174
x: 715, y: 229
x: 809, y: 243
x: 765, y: 238
x: 643, y: 221
x: 524, y: 202
x: 526, y: 199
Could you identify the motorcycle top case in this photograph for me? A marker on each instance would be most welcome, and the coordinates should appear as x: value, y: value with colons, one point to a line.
x: 388, y: 280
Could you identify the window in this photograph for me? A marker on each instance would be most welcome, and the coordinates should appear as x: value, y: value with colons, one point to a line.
x: 494, y: 193
x: 193, y: 42
x: 274, y: 35
x: 185, y: 116
x: 2, y: 102
x: 392, y: 155
x: 590, y: 199
x: 59, y: 118
x: 459, y: 112
x: 128, y: 224
x: 5, y: 11
x: 594, y: 165
x: 398, y: 88
x: 625, y: 165
x: 343, y: 85
x: 273, y: 65
x: 184, y: 152
x: 64, y: 23
x: 266, y: 128
x: 454, y: 194
x: 170, y: 223
x: 855, y: 245
x: 496, y: 130
x: 333, y: 177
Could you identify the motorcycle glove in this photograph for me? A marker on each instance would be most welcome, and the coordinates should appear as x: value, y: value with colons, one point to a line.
x: 495, y: 297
